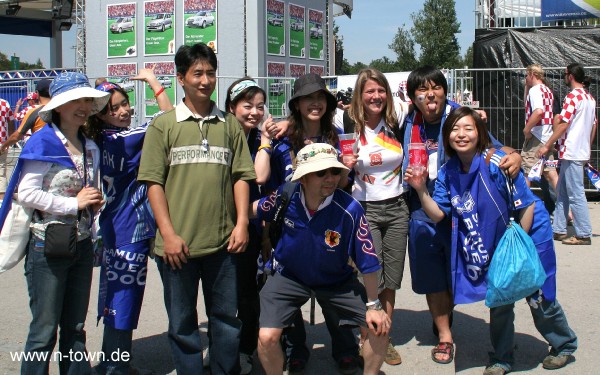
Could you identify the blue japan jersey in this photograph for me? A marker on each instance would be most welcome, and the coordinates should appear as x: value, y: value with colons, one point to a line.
x: 315, y: 251
x: 127, y: 217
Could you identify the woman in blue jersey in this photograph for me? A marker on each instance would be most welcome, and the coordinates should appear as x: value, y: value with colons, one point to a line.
x: 378, y: 183
x: 475, y: 195
x: 310, y: 121
x: 127, y: 225
x: 246, y: 101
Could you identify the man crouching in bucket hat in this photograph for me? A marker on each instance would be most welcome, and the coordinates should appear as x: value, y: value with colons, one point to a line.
x: 312, y: 256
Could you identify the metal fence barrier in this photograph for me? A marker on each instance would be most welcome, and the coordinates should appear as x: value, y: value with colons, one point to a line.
x: 501, y: 93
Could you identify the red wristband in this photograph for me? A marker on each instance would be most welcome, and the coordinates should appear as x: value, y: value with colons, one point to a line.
x: 156, y: 94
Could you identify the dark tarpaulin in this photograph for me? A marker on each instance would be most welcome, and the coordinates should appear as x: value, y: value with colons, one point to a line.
x: 501, y: 92
x: 518, y: 48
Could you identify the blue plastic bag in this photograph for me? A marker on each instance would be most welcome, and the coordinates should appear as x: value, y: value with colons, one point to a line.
x: 515, y: 270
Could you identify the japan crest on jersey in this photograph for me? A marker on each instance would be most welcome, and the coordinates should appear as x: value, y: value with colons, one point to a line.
x: 332, y: 238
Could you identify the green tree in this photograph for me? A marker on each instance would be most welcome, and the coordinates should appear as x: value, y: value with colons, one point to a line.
x: 385, y: 65
x: 434, y: 29
x: 5, y: 63
x: 467, y: 59
x: 357, y: 67
x: 345, y: 68
x: 404, y: 47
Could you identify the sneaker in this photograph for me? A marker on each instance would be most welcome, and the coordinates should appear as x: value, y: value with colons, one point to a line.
x: 205, y: 358
x: 392, y: 357
x: 347, y: 365
x: 246, y: 363
x: 494, y: 370
x: 560, y: 236
x: 552, y: 362
x: 577, y: 241
x: 296, y: 366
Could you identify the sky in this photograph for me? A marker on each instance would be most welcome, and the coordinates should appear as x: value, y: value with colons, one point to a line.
x: 374, y: 24
x: 366, y: 36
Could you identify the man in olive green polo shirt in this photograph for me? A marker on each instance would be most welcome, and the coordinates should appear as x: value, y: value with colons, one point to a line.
x: 196, y: 164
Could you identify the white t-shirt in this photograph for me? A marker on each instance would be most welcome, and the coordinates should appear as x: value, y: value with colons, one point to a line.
x: 379, y: 166
x: 579, y: 111
x: 540, y: 97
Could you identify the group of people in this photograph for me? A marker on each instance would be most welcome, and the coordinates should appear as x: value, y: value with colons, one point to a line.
x: 201, y: 190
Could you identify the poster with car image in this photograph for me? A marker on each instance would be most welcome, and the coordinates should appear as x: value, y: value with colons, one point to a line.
x: 315, y: 33
x: 121, y: 30
x: 200, y: 22
x: 297, y: 34
x: 165, y: 73
x: 275, y: 28
x: 277, y: 89
x: 159, y: 30
x: 121, y: 74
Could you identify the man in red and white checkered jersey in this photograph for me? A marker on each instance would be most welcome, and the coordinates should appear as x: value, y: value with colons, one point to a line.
x: 539, y: 100
x: 32, y: 100
x: 574, y: 128
x: 7, y: 120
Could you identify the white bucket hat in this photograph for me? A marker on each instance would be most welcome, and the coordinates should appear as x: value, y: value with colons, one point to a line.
x: 316, y: 157
x: 72, y: 86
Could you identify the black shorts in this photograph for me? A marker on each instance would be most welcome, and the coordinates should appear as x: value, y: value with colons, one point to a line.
x: 281, y: 297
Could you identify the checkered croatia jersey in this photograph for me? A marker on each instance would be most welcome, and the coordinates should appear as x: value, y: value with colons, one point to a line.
x: 579, y: 111
x: 6, y: 115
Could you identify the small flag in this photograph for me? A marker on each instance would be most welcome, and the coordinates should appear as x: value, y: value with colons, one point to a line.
x: 535, y: 174
x: 594, y: 175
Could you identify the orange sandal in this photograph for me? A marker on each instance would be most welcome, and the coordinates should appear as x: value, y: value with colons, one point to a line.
x: 443, y: 348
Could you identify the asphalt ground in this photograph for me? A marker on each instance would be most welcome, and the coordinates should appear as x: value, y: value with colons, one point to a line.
x: 578, y: 291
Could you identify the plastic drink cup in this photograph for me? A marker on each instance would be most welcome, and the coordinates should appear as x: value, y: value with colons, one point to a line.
x: 347, y: 143
x: 417, y: 157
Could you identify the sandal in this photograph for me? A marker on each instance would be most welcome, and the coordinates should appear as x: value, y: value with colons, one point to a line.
x: 577, y: 241
x: 443, y: 348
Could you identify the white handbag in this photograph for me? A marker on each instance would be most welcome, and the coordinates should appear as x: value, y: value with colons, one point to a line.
x: 14, y: 236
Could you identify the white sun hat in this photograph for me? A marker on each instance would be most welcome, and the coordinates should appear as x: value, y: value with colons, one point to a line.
x: 70, y: 86
x: 316, y: 157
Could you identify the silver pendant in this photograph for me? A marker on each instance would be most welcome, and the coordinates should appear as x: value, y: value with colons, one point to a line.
x: 204, y: 146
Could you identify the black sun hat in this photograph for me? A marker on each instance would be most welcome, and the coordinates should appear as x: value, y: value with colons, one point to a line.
x: 308, y: 84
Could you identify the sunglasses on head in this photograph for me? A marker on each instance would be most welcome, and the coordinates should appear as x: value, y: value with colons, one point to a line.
x: 334, y: 172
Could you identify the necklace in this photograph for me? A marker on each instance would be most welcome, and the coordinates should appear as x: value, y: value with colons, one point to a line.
x: 204, y: 145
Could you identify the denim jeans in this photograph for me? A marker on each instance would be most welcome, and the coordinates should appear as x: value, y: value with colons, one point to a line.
x: 59, y: 295
x: 219, y: 286
x: 550, y: 321
x: 571, y: 195
x: 115, y: 343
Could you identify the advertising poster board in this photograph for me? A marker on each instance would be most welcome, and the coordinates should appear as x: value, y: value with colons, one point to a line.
x: 553, y: 10
x: 315, y: 33
x: 317, y: 69
x: 159, y: 27
x: 165, y: 73
x: 277, y: 97
x: 120, y: 74
x: 296, y: 70
x: 297, y: 31
x: 275, y: 27
x: 121, y: 30
x: 200, y: 22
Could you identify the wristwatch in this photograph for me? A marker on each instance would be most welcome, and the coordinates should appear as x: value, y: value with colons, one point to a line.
x: 374, y: 305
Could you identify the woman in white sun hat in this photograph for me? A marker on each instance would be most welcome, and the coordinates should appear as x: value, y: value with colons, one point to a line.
x: 57, y: 169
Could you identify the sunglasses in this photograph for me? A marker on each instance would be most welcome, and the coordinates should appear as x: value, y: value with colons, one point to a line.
x: 333, y: 171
